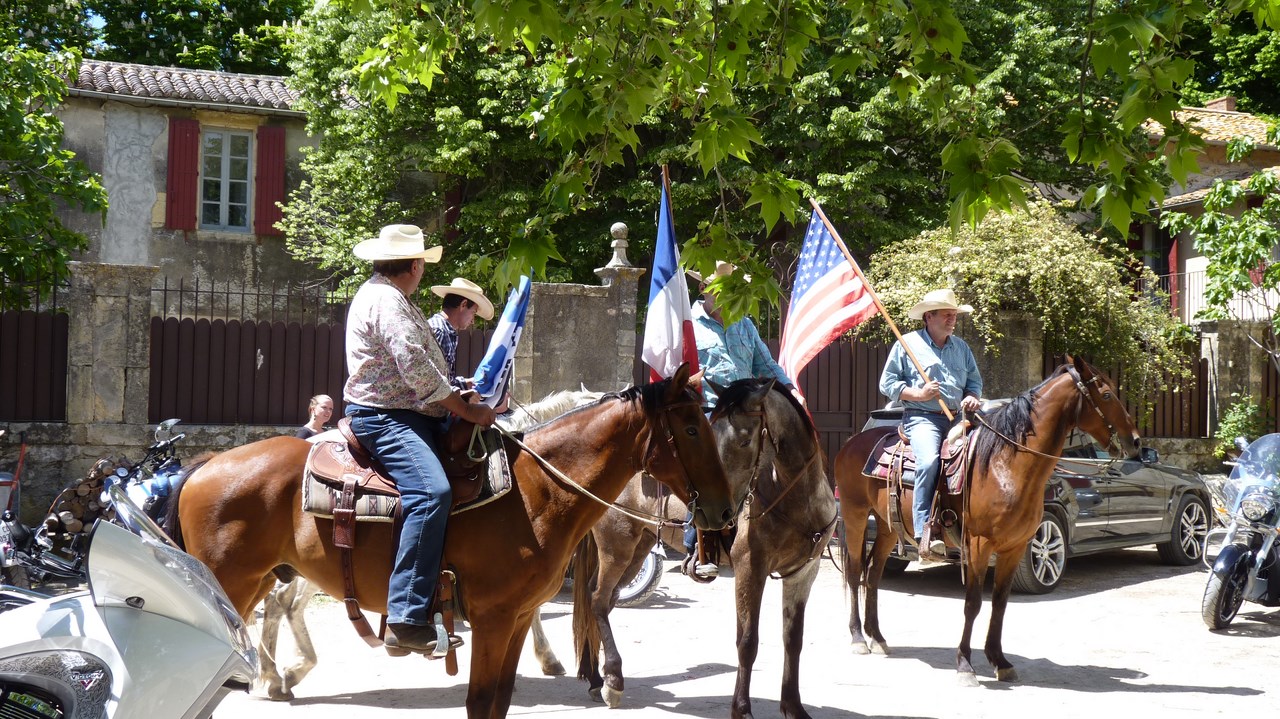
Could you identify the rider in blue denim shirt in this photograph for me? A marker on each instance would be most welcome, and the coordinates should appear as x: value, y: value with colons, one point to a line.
x: 952, y: 378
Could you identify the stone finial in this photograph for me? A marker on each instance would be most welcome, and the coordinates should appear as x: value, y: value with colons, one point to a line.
x: 619, y: 233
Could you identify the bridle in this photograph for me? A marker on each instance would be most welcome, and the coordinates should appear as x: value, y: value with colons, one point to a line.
x: 1085, y: 389
x: 651, y: 451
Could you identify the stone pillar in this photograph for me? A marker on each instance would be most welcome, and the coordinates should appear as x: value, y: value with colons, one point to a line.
x: 1016, y: 362
x: 579, y: 335
x: 1236, y: 365
x: 109, y: 348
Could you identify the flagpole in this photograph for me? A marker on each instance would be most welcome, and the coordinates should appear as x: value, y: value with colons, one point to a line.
x: 876, y: 299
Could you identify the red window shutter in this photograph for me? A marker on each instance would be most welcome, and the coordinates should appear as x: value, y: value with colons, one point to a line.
x: 183, y: 174
x: 270, y: 183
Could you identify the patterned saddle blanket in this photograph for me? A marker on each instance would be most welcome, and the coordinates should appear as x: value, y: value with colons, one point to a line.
x: 892, y: 459
x: 341, y: 476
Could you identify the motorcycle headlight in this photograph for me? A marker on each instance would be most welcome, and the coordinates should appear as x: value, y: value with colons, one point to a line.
x: 1254, y: 508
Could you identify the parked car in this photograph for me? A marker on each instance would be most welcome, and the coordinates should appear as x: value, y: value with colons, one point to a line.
x: 1094, y: 504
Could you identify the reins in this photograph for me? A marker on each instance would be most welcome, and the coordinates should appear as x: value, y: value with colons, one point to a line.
x: 1082, y: 387
x: 636, y: 514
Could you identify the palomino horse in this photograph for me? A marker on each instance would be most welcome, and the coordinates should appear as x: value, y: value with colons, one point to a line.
x: 240, y: 514
x: 1016, y: 448
x: 288, y: 601
x: 769, y: 447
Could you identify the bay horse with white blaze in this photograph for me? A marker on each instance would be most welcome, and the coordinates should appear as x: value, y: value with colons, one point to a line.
x: 240, y: 513
x: 1016, y: 448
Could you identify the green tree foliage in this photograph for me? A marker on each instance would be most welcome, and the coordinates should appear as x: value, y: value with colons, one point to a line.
x: 1237, y: 58
x: 1081, y: 291
x: 605, y: 67
x: 236, y: 35
x: 38, y: 178
x: 1238, y: 238
x: 56, y: 25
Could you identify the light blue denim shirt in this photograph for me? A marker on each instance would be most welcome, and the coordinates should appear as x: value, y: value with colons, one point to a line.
x: 952, y: 365
x: 732, y: 353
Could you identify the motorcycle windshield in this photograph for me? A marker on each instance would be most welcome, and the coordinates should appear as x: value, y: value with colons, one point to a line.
x: 135, y: 564
x: 1257, y: 469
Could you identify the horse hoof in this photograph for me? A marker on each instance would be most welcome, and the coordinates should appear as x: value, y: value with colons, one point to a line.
x: 553, y: 670
x: 595, y: 694
x: 967, y: 679
x: 880, y: 648
x: 1007, y: 675
x: 860, y: 648
x: 612, y: 697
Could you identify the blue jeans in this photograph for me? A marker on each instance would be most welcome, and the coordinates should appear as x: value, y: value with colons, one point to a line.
x: 405, y: 443
x: 926, y: 430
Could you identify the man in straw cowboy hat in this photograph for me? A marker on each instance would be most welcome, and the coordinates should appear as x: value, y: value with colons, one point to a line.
x: 463, y: 300
x: 952, y: 379
x: 725, y: 354
x: 398, y: 396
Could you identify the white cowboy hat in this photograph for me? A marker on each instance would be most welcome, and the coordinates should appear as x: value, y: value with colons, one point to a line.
x: 723, y: 269
x: 938, y: 300
x: 397, y: 242
x: 469, y: 290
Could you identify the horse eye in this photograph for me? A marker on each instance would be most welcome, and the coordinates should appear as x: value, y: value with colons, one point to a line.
x: 1106, y: 396
x: 691, y: 431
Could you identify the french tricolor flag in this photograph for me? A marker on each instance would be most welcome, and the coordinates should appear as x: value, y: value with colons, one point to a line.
x: 668, y: 327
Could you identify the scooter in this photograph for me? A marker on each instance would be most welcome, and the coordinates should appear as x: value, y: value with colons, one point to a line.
x: 153, y: 636
x: 1243, y: 557
x: 149, y: 482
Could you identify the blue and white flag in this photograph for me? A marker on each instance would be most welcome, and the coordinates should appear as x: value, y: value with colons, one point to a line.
x: 494, y: 373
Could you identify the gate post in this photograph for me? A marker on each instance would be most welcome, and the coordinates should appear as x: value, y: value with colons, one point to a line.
x: 1016, y: 362
x: 578, y: 335
x: 109, y: 348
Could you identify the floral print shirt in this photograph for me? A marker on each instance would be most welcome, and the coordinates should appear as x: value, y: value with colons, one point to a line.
x: 393, y: 361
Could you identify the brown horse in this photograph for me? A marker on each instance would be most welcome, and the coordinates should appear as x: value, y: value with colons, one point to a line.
x: 240, y: 514
x: 1016, y: 449
x: 769, y: 447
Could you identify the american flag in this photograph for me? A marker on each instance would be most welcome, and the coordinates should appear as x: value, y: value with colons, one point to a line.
x: 829, y: 295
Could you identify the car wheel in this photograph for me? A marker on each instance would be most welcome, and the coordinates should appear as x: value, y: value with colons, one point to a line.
x: 640, y: 588
x: 1190, y: 525
x: 1223, y: 596
x: 1044, y: 560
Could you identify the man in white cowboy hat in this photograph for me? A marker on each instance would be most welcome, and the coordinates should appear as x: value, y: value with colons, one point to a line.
x: 952, y: 379
x: 398, y: 397
x: 725, y: 354
x: 463, y: 300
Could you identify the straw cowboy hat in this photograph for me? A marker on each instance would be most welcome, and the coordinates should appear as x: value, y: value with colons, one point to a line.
x: 938, y: 300
x: 397, y: 242
x: 469, y: 290
x: 723, y: 269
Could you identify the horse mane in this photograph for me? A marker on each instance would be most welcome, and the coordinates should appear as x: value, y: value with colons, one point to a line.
x: 526, y: 417
x: 738, y: 391
x: 1015, y: 420
x: 648, y: 395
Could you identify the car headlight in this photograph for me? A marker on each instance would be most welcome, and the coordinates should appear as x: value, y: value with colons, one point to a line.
x: 1254, y: 508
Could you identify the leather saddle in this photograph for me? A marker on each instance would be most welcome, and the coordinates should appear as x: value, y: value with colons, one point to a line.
x: 343, y: 477
x: 893, y: 460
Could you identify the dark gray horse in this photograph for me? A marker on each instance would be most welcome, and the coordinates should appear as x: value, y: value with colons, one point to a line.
x: 769, y: 446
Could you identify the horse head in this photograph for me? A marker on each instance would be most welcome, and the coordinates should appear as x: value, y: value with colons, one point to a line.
x: 1102, y: 414
x: 682, y: 446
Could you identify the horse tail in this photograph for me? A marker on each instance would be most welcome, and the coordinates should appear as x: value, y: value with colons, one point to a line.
x: 171, y: 523
x: 586, y: 632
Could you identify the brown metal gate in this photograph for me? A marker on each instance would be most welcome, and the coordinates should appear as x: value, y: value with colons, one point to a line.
x: 33, y: 355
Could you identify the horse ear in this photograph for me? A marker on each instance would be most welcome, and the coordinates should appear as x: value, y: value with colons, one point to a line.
x: 679, y: 381
x: 715, y: 387
x: 1079, y: 364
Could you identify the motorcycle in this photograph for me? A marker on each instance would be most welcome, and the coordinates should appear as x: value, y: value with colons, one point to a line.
x: 29, y: 556
x: 153, y: 635
x: 1242, y: 556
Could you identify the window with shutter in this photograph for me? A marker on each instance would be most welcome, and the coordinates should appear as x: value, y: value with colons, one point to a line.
x: 182, y: 174
x: 270, y: 183
x: 225, y: 179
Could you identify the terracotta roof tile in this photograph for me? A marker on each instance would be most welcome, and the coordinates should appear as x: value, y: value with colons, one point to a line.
x: 1217, y: 127
x: 175, y: 83
x: 1196, y: 197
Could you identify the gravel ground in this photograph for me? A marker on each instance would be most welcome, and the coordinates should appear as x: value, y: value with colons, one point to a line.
x: 1121, y: 636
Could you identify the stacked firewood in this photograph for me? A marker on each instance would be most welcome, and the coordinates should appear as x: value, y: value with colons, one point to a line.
x: 78, y: 506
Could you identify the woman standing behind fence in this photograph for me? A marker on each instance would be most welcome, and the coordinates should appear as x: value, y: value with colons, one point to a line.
x: 320, y: 410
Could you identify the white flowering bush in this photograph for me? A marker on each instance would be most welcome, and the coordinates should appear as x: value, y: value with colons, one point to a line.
x: 1091, y: 297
